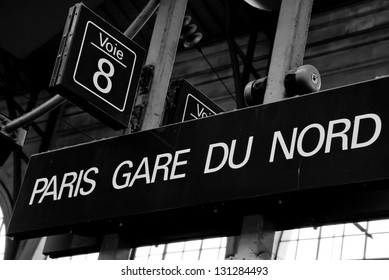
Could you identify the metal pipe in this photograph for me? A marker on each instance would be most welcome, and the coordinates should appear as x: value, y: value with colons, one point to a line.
x: 39, y: 111
x: 142, y: 18
x: 57, y: 100
x: 233, y: 55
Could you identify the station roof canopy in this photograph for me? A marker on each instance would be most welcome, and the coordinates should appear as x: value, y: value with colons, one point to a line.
x: 29, y: 27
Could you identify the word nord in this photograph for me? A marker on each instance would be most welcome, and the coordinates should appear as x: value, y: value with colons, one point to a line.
x: 335, y: 129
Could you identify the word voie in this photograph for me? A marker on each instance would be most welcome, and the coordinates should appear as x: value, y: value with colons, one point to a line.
x: 110, y: 47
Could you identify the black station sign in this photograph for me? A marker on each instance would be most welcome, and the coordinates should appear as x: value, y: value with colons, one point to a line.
x: 97, y: 67
x: 321, y: 141
x: 190, y: 104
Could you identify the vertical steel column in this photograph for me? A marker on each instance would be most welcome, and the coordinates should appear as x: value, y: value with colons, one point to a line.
x: 248, y: 63
x: 114, y: 247
x: 257, y: 233
x: 256, y: 239
x: 289, y: 45
x: 230, y: 7
x: 161, y: 55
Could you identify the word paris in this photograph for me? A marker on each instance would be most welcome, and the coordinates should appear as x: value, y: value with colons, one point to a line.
x: 171, y: 166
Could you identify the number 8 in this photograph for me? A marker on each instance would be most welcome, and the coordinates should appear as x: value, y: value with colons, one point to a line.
x: 106, y: 75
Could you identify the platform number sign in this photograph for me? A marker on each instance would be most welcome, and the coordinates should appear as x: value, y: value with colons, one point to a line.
x: 101, y: 69
x: 105, y: 66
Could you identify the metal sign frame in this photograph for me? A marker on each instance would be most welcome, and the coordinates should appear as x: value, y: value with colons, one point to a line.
x: 97, y: 67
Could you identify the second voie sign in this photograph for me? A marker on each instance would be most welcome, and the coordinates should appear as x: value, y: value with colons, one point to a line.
x: 331, y: 138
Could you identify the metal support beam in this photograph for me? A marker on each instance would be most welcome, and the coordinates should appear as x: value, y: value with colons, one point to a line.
x: 240, y: 79
x: 256, y: 239
x: 257, y: 233
x: 230, y: 7
x: 39, y: 111
x: 17, y: 163
x: 289, y: 45
x: 248, y: 62
x: 142, y: 18
x: 161, y: 55
x: 21, y: 111
x: 114, y: 247
x: 33, y: 99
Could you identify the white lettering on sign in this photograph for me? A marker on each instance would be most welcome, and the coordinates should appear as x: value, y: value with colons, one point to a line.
x: 102, y: 78
x: 105, y: 75
x: 111, y: 48
x: 72, y: 182
x: 220, y: 155
x: 327, y: 138
x: 228, y: 154
x: 319, y: 143
x: 200, y: 113
x: 201, y: 109
x: 165, y: 164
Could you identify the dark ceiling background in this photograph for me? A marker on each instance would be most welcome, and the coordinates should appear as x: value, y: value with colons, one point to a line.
x: 30, y: 30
